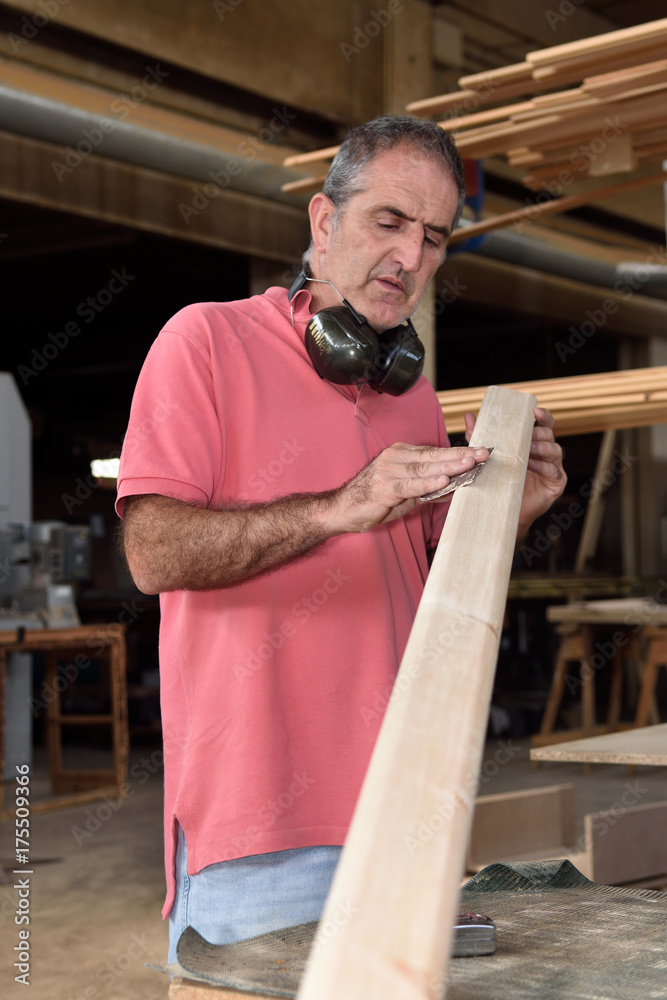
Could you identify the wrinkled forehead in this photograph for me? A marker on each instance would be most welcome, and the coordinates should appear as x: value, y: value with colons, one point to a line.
x: 410, y: 180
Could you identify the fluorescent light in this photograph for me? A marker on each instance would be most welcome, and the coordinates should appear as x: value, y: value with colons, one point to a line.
x: 105, y: 468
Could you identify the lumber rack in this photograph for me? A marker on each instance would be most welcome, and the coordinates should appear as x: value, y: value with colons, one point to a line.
x: 92, y: 642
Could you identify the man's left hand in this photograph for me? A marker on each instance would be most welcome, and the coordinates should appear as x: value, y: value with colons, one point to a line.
x: 545, y: 476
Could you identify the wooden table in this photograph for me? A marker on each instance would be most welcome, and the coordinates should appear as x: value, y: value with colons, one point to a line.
x: 647, y: 745
x: 82, y: 645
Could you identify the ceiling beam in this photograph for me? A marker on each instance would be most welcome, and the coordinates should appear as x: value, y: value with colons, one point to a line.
x: 495, y: 284
x: 535, y: 22
x: 144, y: 199
x: 281, y: 51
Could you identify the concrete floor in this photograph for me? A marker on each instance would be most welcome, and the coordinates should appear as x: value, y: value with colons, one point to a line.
x: 95, y: 906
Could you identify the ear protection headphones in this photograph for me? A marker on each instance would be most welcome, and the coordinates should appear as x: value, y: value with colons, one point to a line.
x: 345, y: 350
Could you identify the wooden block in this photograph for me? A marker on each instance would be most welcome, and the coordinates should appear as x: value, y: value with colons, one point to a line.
x: 618, y: 157
x: 627, y: 843
x: 511, y: 826
x: 395, y: 893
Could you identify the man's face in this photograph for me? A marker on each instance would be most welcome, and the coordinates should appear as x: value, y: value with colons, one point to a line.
x: 388, y: 240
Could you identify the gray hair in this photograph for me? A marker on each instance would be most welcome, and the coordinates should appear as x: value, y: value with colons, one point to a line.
x: 363, y: 143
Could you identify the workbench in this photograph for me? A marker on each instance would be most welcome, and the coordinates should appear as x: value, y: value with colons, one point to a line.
x: 633, y: 746
x: 640, y: 636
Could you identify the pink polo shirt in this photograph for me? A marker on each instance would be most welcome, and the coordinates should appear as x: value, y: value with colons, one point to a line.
x: 273, y: 690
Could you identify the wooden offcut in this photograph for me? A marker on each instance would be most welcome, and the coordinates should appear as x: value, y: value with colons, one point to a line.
x: 528, y: 825
x: 394, y: 897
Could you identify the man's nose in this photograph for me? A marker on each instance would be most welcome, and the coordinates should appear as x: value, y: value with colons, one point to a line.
x: 409, y: 252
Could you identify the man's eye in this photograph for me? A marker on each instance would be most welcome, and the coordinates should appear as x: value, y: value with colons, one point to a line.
x: 388, y: 225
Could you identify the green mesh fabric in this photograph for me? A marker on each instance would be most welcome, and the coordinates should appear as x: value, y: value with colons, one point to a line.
x: 559, y: 937
x: 270, y: 964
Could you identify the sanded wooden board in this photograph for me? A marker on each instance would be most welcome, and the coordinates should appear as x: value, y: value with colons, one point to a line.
x: 647, y: 745
x: 395, y: 894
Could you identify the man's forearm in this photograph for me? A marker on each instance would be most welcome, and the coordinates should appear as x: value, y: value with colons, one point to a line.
x: 171, y: 545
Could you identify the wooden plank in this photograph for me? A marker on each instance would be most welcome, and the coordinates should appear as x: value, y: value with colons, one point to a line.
x: 573, y: 70
x: 515, y: 73
x: 590, y: 532
x: 622, y: 611
x: 190, y: 989
x: 647, y: 745
x: 627, y: 843
x: 511, y: 825
x: 581, y: 403
x: 400, y: 870
x: 555, y: 207
x: 609, y: 43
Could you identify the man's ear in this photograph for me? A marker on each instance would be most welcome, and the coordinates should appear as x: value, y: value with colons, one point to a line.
x: 321, y: 210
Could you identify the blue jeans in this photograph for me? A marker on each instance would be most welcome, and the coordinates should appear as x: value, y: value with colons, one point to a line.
x: 238, y: 899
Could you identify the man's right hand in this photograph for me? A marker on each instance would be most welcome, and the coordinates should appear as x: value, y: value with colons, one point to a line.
x: 390, y: 485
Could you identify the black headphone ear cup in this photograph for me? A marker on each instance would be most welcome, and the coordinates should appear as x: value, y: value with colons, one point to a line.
x: 400, y: 361
x: 342, y: 351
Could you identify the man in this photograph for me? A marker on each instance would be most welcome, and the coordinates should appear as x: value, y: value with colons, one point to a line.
x: 277, y: 514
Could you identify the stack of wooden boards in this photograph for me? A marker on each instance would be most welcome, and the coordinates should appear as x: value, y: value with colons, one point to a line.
x: 612, y: 122
x: 582, y: 404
